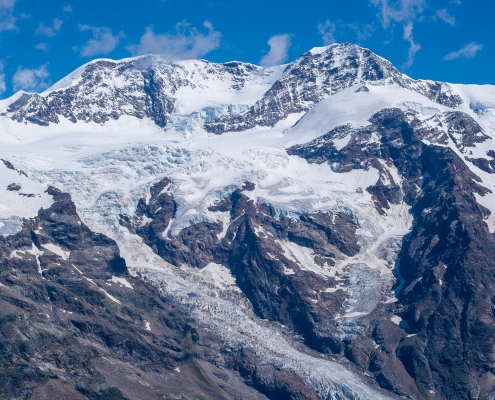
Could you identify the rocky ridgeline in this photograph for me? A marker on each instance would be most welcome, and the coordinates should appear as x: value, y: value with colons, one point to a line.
x: 144, y: 87
x: 316, y: 75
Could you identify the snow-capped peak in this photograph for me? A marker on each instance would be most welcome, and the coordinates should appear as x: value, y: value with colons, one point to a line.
x: 163, y: 89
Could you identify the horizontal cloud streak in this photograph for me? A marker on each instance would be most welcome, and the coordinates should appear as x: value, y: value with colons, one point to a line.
x: 468, y: 51
x: 444, y: 15
x: 186, y: 42
x: 50, y: 30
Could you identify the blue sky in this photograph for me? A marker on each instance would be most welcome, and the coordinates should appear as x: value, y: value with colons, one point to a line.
x: 41, y: 41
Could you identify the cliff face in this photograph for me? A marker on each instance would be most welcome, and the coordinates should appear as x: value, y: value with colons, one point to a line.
x: 442, y: 260
x: 75, y: 323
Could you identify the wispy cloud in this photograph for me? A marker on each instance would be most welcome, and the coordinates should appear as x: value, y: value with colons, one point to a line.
x: 444, y: 15
x: 3, y: 85
x: 413, y: 46
x: 362, y: 32
x: 326, y: 32
x: 468, y: 51
x: 186, y: 42
x: 50, y: 30
x: 405, y: 12
x: 398, y: 10
x: 68, y: 8
x: 35, y: 79
x: 7, y: 19
x: 42, y: 46
x: 279, y: 50
x: 103, y: 42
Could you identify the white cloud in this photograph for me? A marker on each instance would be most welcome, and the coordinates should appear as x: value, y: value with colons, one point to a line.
x: 7, y: 19
x: 50, y: 30
x: 413, y: 47
x: 279, y: 48
x: 3, y: 86
x: 68, y: 8
x: 186, y: 42
x: 468, y: 51
x: 398, y: 10
x: 444, y: 15
x: 326, y: 32
x: 42, y: 46
x: 35, y: 79
x: 103, y: 41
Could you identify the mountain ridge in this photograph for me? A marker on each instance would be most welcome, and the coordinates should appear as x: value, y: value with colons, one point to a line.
x: 150, y: 77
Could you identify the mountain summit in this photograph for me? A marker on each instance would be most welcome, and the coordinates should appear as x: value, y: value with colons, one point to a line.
x: 317, y: 230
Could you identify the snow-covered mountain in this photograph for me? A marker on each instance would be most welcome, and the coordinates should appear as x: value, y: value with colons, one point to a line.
x: 323, y: 228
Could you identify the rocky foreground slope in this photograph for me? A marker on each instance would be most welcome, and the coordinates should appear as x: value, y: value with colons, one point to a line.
x: 183, y: 229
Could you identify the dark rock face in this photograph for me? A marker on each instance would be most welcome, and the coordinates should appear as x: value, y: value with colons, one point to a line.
x: 448, y: 281
x: 14, y: 187
x: 315, y: 76
x: 464, y: 130
x: 197, y: 245
x: 399, y: 146
x: 274, y: 282
x: 445, y: 263
x: 71, y: 329
x: 487, y: 165
x: 59, y: 312
x: 252, y: 247
x: 8, y: 164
